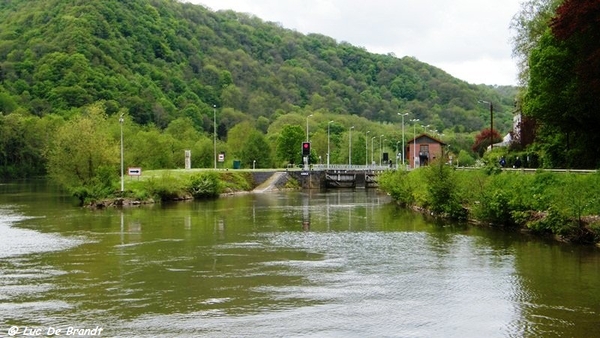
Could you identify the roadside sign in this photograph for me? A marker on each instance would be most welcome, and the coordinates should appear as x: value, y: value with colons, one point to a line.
x: 134, y: 171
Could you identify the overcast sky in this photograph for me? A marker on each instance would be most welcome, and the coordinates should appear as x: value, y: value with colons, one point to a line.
x: 470, y: 39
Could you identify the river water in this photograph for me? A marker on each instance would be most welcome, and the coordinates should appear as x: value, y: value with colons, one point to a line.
x: 341, y: 263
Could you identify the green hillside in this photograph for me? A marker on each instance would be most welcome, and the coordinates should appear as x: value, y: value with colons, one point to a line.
x: 163, y: 59
x: 70, y: 69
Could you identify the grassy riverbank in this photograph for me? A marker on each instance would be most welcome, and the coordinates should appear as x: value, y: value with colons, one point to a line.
x: 564, y: 205
x: 165, y: 185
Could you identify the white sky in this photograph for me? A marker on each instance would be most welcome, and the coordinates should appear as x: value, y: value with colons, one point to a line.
x: 470, y: 39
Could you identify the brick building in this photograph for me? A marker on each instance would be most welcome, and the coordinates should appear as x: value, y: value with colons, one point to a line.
x: 427, y: 149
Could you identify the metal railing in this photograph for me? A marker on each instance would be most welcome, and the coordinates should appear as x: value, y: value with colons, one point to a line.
x: 353, y: 167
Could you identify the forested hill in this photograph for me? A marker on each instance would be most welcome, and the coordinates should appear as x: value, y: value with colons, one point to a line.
x: 162, y: 59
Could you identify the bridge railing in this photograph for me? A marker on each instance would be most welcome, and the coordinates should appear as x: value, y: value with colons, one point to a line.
x: 353, y: 167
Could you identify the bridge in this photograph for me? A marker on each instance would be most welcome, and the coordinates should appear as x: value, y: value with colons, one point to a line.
x: 339, y: 175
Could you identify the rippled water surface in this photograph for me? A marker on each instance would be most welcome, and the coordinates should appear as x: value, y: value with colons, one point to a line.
x: 293, y: 264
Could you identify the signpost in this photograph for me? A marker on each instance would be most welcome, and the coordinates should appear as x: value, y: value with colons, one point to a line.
x: 188, y: 159
x: 134, y: 171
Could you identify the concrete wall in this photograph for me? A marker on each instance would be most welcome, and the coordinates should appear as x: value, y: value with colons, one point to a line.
x: 309, y: 179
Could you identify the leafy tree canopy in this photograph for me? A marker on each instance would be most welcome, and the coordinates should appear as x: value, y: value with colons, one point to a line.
x: 564, y: 84
x: 162, y: 59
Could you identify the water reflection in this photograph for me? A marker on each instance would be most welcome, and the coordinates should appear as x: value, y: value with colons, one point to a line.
x: 338, y: 263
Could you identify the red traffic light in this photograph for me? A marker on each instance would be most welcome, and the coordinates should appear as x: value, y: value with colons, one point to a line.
x: 305, y: 148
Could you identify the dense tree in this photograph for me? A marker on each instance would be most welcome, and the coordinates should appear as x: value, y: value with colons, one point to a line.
x: 112, y: 50
x: 578, y: 24
x: 23, y: 141
x: 529, y: 25
x: 238, y: 136
x: 256, y: 151
x: 564, y: 85
x: 482, y: 140
x: 81, y: 148
x: 289, y: 144
x: 167, y: 63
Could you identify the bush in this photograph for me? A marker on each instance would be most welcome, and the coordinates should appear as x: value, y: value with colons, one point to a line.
x: 102, y: 185
x: 443, y: 193
x: 398, y: 184
x: 204, y: 185
x: 555, y: 223
x: 236, y: 181
x: 164, y: 188
x: 556, y: 203
x: 494, y: 208
x: 465, y: 159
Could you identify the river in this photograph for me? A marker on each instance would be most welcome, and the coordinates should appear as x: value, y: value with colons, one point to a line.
x: 340, y: 263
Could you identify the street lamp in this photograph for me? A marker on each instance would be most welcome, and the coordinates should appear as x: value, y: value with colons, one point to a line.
x: 215, y: 135
x: 414, y: 121
x: 397, y: 151
x: 122, y: 182
x: 350, y: 146
x: 381, y: 150
x: 402, y: 139
x: 307, y: 126
x: 491, y: 123
x: 372, y: 142
x: 367, y: 149
x: 328, y: 149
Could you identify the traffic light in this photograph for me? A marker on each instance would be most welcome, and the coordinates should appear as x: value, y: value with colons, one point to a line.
x: 305, y: 148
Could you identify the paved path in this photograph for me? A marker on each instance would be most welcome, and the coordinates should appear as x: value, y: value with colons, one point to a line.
x: 270, y: 184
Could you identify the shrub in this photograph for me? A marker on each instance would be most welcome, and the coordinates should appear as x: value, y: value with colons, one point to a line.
x: 398, y: 184
x: 443, y: 197
x: 465, y: 159
x: 555, y: 222
x: 204, y: 185
x: 164, y: 188
x: 494, y: 208
x: 102, y: 185
x: 236, y: 181
x: 545, y: 202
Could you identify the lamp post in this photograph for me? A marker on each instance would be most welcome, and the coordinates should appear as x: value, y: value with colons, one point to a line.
x: 372, y: 143
x: 405, y: 114
x: 122, y: 181
x: 215, y: 135
x: 328, y: 149
x: 397, y: 152
x: 414, y: 121
x: 307, y: 126
x: 380, y: 150
x: 350, y: 146
x: 367, y: 149
x: 491, y: 123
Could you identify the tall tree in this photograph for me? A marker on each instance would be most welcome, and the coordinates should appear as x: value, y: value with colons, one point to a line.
x: 482, y: 140
x: 529, y: 25
x: 237, y: 137
x: 564, y: 86
x: 289, y: 144
x: 81, y: 148
x: 256, y: 151
x: 577, y: 24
